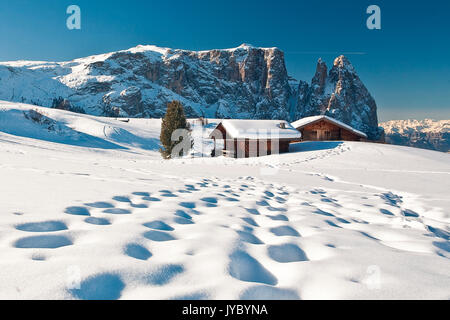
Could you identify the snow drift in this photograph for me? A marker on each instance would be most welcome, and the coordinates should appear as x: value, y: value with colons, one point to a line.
x: 90, y: 211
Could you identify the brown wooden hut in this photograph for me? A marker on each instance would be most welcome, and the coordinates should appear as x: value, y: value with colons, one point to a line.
x: 254, y: 138
x: 324, y: 128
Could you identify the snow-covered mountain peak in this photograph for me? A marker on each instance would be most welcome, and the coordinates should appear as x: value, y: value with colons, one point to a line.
x: 342, y: 62
x: 339, y: 92
x: 426, y: 125
x: 428, y: 133
x: 246, y: 46
x: 244, y: 82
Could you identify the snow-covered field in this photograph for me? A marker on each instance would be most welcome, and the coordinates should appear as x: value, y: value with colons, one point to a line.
x: 89, y: 210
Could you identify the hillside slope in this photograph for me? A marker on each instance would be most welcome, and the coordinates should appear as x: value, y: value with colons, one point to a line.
x: 90, y: 211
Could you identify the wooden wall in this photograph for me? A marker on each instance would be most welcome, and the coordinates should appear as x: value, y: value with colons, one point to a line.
x: 250, y: 148
x: 324, y: 130
x: 257, y: 148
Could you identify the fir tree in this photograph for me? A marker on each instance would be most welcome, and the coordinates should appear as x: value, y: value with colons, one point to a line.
x: 173, y: 120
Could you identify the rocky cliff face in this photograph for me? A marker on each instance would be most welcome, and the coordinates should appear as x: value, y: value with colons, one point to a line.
x: 426, y: 134
x: 244, y: 82
x: 340, y: 94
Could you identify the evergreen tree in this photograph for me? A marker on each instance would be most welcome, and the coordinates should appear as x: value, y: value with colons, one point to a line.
x: 173, y: 120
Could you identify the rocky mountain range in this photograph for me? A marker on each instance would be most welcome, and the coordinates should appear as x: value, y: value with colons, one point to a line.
x: 340, y: 94
x: 426, y: 134
x: 245, y: 82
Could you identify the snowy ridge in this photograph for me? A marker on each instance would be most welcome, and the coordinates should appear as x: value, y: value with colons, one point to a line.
x: 427, y: 134
x: 329, y: 220
x: 79, y: 130
x: 100, y: 83
x: 246, y: 82
x: 427, y: 125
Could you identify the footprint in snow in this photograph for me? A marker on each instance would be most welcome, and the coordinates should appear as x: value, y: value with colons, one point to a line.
x: 183, y: 214
x: 182, y: 221
x: 168, y: 195
x: 263, y: 203
x: 106, y: 286
x: 342, y: 220
x: 209, y: 200
x: 158, y: 236
x: 97, y: 221
x: 332, y: 224
x: 117, y: 211
x: 152, y: 199
x: 410, y: 213
x: 253, y: 211
x: 443, y: 245
x: 280, y: 200
x: 251, y: 221
x: 77, y: 211
x: 269, y: 194
x: 43, y: 242
x: 246, y: 268
x: 122, y: 199
x: 100, y: 205
x: 139, y: 206
x: 164, y: 274
x: 386, y: 212
x: 268, y: 293
x: 141, y: 194
x: 284, y: 231
x: 158, y: 225
x: 46, y: 226
x: 439, y: 233
x: 248, y: 237
x: 188, y: 205
x: 137, y: 251
x: 192, y: 296
x: 190, y: 187
x: 391, y: 199
x: 275, y: 209
x: 323, y: 213
x: 38, y: 257
x: 280, y: 217
x: 230, y: 199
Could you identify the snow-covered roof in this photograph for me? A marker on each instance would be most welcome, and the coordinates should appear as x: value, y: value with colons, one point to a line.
x: 260, y: 129
x: 308, y: 120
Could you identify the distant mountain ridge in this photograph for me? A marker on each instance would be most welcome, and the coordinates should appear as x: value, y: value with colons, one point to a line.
x: 244, y: 82
x: 426, y: 134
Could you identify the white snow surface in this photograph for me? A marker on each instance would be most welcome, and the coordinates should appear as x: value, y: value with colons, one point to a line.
x: 89, y: 210
x: 307, y: 120
x: 258, y: 129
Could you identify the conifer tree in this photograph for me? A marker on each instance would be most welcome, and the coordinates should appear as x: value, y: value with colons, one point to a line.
x: 173, y: 120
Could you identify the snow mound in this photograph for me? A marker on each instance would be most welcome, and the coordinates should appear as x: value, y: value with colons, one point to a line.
x: 64, y: 127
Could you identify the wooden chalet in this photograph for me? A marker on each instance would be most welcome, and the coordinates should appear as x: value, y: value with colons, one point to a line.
x: 254, y: 138
x: 324, y: 128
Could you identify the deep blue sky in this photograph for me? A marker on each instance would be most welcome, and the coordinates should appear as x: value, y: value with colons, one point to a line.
x: 405, y: 65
